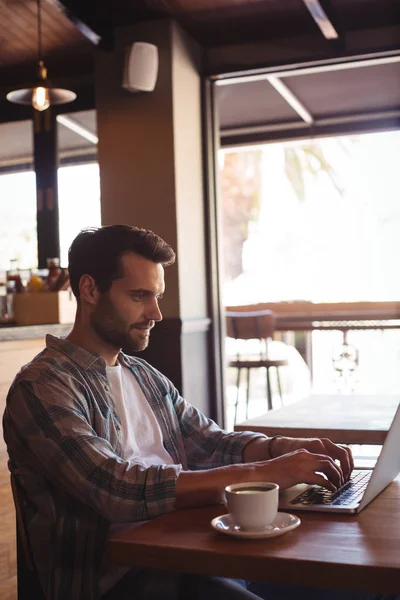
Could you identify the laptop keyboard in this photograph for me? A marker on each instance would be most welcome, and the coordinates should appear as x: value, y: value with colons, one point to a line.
x: 347, y: 495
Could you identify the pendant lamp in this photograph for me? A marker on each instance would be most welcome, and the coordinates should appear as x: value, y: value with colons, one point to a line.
x: 43, y: 94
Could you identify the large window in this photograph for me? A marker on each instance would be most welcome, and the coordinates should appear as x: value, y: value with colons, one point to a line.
x: 79, y: 203
x: 78, y: 186
x: 18, y: 238
x: 79, y: 207
x: 315, y: 220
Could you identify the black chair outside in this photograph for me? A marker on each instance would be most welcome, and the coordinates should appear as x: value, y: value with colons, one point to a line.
x: 253, y: 325
x: 28, y: 583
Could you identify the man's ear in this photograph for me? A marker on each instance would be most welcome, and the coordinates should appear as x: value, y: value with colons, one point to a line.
x: 88, y: 291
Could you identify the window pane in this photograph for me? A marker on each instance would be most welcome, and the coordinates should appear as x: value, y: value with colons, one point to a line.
x: 79, y: 203
x: 315, y: 220
x: 18, y: 234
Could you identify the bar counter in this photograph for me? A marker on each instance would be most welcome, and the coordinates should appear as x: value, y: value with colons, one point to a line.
x: 18, y: 345
x: 10, y: 332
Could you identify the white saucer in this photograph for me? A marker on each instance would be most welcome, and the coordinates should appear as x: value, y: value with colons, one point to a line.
x: 282, y: 523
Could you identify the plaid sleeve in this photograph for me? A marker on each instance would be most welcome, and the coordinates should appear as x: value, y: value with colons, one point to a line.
x: 59, y: 439
x: 206, y: 444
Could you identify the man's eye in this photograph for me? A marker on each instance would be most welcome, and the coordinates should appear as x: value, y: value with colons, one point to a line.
x: 160, y: 297
x: 139, y: 296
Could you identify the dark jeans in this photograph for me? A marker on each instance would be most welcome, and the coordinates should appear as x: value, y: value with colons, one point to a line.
x: 160, y: 585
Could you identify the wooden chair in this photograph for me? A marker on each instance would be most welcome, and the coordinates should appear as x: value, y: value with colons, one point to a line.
x: 255, y: 325
x: 28, y: 583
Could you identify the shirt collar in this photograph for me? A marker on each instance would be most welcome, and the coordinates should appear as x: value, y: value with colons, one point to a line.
x: 82, y: 357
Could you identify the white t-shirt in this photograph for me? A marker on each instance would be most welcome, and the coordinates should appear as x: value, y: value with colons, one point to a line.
x: 143, y: 442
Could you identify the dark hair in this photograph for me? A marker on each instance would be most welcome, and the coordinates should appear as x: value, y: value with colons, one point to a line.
x: 97, y: 252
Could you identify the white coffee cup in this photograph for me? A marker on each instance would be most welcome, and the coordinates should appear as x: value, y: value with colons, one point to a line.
x: 252, y: 505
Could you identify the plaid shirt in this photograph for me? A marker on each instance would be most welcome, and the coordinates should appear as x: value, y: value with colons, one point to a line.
x: 64, y: 440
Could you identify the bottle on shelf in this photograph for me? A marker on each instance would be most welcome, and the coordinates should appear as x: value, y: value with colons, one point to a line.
x: 14, y: 282
x: 35, y: 283
x: 53, y: 265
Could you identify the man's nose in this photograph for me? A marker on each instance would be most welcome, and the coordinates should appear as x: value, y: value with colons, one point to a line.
x: 154, y: 312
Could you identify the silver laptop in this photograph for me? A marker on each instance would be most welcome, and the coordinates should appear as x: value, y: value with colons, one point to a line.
x: 363, y: 486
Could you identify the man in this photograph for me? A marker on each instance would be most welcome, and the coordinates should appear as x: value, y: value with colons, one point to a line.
x: 99, y: 439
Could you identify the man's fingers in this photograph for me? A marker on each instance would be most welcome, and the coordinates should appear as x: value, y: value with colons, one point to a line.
x: 343, y: 454
x: 329, y: 468
x: 350, y: 461
x: 325, y: 446
x: 317, y: 479
x: 350, y: 456
x: 303, y: 466
x: 321, y: 463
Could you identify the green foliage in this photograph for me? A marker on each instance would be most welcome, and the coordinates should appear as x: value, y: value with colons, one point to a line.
x: 308, y: 159
x: 240, y: 194
x: 241, y: 191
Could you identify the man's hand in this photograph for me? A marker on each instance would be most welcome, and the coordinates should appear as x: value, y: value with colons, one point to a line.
x: 281, y: 446
x: 197, y: 488
x: 285, y: 461
x: 301, y: 466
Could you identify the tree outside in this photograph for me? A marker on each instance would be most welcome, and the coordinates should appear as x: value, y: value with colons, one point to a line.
x: 317, y: 220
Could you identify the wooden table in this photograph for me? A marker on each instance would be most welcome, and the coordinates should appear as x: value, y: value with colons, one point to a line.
x: 328, y: 551
x: 302, y: 314
x: 353, y: 419
x: 307, y: 316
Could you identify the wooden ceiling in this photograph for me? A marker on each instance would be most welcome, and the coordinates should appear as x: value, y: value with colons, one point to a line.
x: 211, y: 22
x: 19, y: 36
x: 215, y: 22
x: 64, y: 47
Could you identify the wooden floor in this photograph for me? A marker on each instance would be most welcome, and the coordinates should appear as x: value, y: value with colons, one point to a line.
x: 12, y: 356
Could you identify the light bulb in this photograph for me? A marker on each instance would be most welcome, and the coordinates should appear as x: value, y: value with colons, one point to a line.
x: 40, y: 98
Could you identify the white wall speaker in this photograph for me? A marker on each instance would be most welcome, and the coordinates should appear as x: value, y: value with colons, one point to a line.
x: 140, y: 67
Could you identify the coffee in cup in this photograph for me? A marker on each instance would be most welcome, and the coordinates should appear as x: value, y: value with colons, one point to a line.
x: 252, y: 505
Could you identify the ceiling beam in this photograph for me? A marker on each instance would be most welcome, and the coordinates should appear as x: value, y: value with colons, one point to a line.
x: 321, y: 18
x: 319, y: 123
x: 236, y: 60
x: 345, y: 66
x: 346, y: 125
x: 77, y: 128
x: 82, y: 14
x: 290, y: 98
x: 325, y: 67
